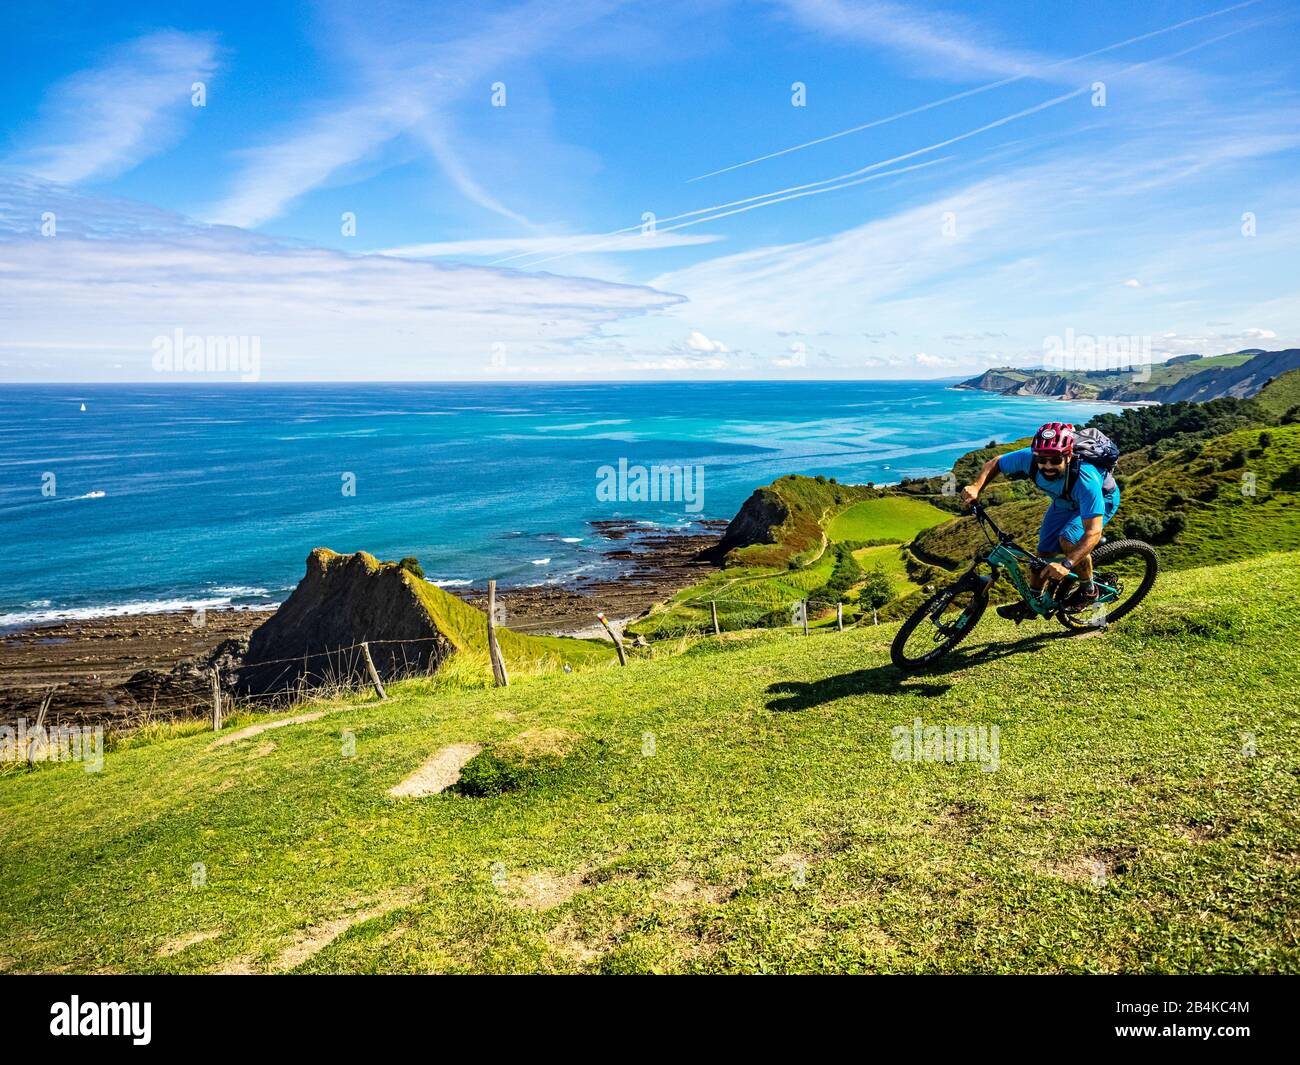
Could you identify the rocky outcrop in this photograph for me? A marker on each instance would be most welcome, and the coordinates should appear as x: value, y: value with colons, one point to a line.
x: 190, y: 681
x: 999, y: 379
x: 1053, y: 385
x: 755, y: 523
x: 1011, y: 382
x: 344, y: 600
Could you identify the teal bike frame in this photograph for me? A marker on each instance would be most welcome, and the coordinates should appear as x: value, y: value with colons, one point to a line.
x: 1005, y: 554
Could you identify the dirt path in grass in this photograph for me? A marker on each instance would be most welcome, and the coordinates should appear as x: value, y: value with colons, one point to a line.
x: 306, y: 943
x: 257, y: 730
x: 439, y: 772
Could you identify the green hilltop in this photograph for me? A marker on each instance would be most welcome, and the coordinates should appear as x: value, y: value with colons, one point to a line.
x: 1281, y: 395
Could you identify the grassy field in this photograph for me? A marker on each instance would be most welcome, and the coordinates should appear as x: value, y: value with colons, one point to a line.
x: 892, y: 518
x: 749, y: 596
x: 1282, y: 393
x: 735, y: 808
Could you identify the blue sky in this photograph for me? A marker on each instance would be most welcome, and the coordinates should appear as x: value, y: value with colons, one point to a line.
x: 981, y: 180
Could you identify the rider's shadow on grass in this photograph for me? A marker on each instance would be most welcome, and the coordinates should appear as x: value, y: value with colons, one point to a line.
x: 887, y: 680
x: 879, y: 680
x: 964, y: 657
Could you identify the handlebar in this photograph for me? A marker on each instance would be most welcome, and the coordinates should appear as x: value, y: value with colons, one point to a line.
x: 981, y: 515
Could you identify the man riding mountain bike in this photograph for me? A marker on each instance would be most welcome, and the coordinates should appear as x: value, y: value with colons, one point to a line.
x: 1084, y: 499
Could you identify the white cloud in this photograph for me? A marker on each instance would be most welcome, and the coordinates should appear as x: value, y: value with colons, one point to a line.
x: 697, y: 341
x: 111, y: 282
x: 1020, y: 234
x: 1132, y: 282
x: 102, y: 122
x: 951, y: 40
x: 922, y: 359
x: 678, y: 363
x: 1261, y: 334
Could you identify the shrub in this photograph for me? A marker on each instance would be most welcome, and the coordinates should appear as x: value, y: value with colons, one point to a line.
x: 412, y: 565
x: 1265, y: 439
x: 1142, y: 527
x: 1155, y: 528
x: 877, y: 590
x: 531, y: 759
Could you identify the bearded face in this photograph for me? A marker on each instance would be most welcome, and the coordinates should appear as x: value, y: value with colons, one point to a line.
x: 1051, y: 466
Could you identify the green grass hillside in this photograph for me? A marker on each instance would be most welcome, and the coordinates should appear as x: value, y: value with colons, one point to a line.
x: 466, y: 627
x: 737, y: 808
x: 807, y: 503
x: 1282, y: 394
x: 1092, y: 382
x: 800, y: 562
x: 889, y: 518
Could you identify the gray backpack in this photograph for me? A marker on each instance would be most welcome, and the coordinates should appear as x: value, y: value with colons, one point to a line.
x: 1097, y: 449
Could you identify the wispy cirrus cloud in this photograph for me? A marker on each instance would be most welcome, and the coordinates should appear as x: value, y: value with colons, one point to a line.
x: 118, y: 274
x: 628, y: 242
x: 1029, y: 232
x: 410, y: 97
x: 954, y: 40
x: 103, y: 121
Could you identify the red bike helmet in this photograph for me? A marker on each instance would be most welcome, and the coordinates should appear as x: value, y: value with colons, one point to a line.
x: 1054, y: 438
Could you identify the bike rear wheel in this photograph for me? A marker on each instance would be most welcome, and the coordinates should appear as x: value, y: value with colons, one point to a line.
x: 939, y: 624
x: 1129, y: 566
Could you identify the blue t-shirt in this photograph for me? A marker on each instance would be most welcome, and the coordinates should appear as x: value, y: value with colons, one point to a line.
x: 1087, y: 497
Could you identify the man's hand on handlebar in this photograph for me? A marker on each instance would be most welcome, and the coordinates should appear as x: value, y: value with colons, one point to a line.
x: 969, y: 494
x: 1056, y: 572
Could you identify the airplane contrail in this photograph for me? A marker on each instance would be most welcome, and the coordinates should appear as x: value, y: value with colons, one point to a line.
x: 971, y: 92
x: 766, y: 201
x: 767, y: 197
x: 749, y: 203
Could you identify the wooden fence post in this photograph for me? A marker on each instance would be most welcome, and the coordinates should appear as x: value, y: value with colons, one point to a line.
x: 216, y: 701
x: 499, y: 675
x: 713, y: 604
x: 40, y: 722
x: 618, y: 643
x: 374, y: 673
x: 805, y: 617
x: 839, y: 616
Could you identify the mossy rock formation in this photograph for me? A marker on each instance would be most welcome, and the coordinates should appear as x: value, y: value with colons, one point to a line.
x: 343, y: 600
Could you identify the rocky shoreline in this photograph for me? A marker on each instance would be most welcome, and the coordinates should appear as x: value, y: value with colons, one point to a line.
x: 90, y: 663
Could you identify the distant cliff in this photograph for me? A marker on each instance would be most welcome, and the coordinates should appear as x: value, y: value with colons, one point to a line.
x: 1187, y: 377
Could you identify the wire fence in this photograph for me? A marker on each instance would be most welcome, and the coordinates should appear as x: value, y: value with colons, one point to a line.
x: 342, y: 670
x: 301, y: 677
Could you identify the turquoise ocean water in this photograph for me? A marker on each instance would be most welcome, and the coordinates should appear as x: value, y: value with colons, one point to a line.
x: 175, y: 497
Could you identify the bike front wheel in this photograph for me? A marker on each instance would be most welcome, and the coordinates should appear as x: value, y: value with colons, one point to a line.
x: 940, y: 624
x: 1124, y: 571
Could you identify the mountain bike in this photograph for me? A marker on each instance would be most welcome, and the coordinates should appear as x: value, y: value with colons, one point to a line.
x: 1123, y: 571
